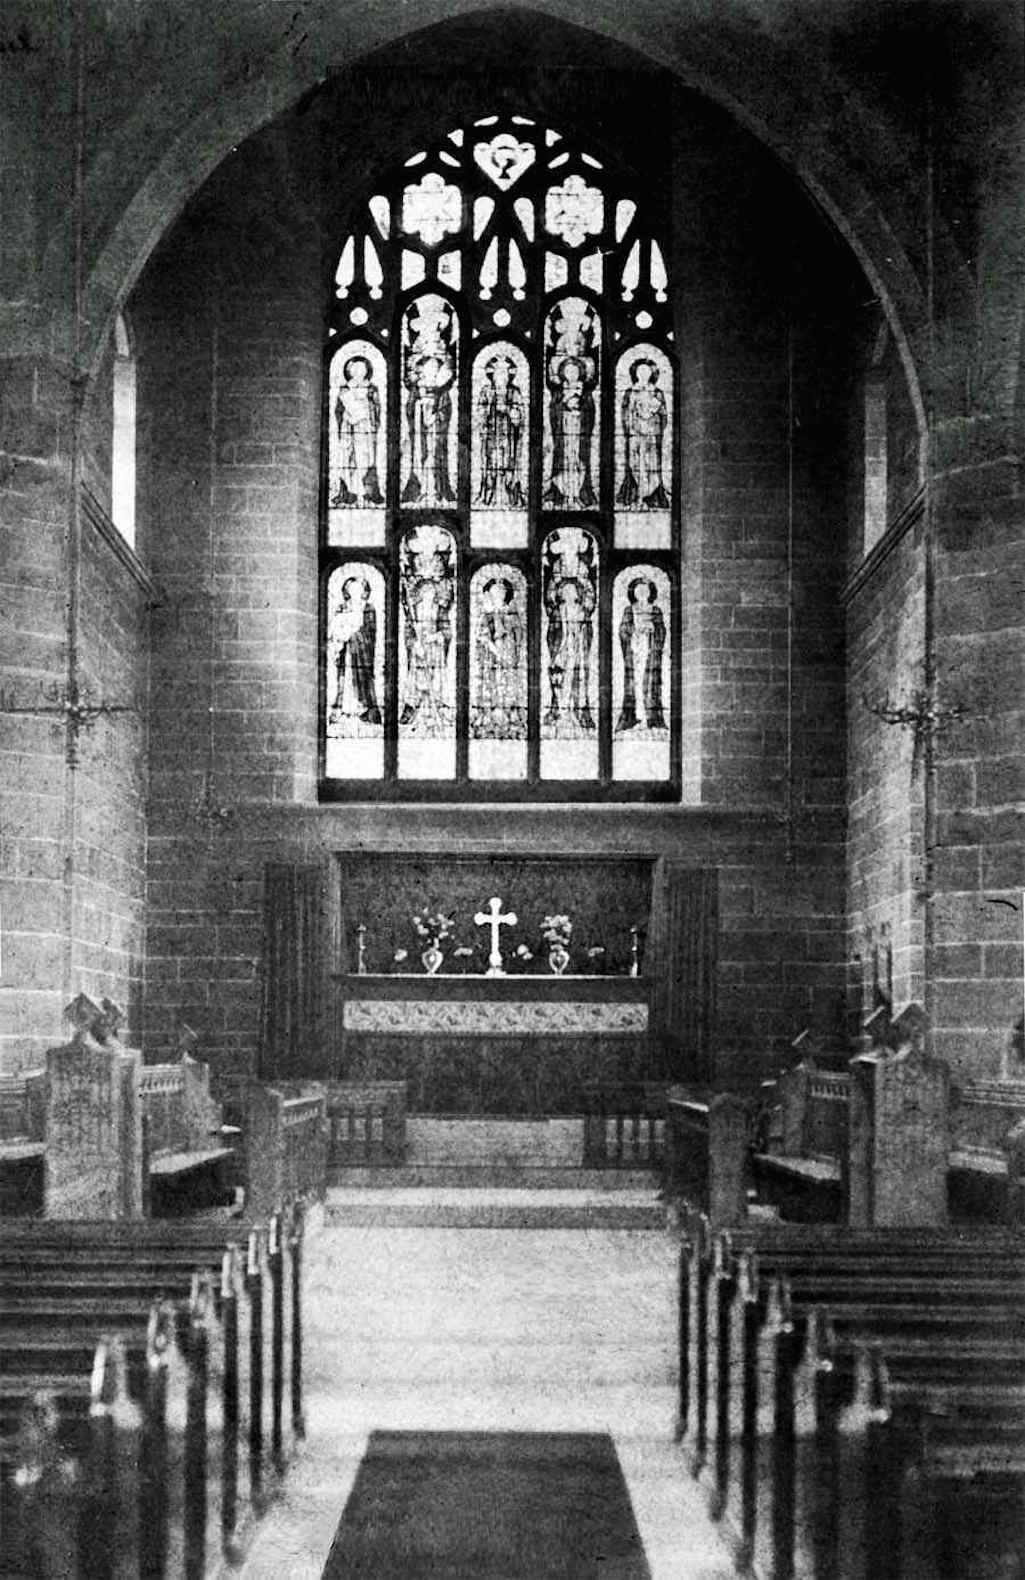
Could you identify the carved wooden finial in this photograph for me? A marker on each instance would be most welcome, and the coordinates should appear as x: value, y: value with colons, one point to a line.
x: 86, y: 1016
x: 908, y: 1029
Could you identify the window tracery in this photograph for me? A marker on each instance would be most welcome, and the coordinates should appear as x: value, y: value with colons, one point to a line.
x: 500, y: 539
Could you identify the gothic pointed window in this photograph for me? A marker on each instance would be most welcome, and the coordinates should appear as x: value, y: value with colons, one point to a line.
x: 500, y: 538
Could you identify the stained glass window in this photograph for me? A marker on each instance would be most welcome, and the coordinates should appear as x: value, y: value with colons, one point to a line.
x: 500, y: 539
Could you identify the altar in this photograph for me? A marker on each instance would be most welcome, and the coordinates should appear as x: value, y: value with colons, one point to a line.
x: 490, y: 984
x: 500, y: 1045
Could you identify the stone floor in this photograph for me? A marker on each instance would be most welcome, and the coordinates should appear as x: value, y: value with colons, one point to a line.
x: 490, y: 1329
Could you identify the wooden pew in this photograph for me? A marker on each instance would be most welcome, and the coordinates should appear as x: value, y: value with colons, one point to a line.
x: 707, y: 1144
x: 624, y: 1124
x: 986, y: 1170
x: 946, y: 1311
x: 803, y: 1165
x: 22, y: 1142
x: 186, y: 1164
x: 97, y: 1134
x: 228, y: 1430
x: 803, y: 1170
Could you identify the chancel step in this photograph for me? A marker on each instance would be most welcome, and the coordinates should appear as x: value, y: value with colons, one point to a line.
x: 492, y: 1177
x: 423, y: 1207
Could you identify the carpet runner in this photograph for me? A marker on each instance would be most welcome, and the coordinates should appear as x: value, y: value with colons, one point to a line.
x: 488, y: 1506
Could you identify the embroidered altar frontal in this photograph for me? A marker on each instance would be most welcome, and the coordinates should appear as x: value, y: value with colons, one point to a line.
x: 509, y: 1045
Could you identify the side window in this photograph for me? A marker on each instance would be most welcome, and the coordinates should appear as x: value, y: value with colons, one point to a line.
x: 122, y: 467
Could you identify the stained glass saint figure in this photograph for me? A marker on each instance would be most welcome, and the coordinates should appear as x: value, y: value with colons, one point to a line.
x: 429, y: 371
x: 500, y: 433
x: 571, y: 374
x: 353, y: 639
x: 570, y: 596
x: 641, y: 665
x: 428, y: 591
x: 644, y: 419
x: 642, y: 640
x: 357, y: 417
x: 500, y: 649
x: 355, y: 671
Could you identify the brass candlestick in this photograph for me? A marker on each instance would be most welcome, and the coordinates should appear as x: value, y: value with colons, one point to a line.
x: 361, y: 950
x: 634, y: 956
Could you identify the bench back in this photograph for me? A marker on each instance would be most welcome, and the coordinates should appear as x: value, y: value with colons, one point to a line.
x: 179, y: 1115
x: 23, y: 1106
x: 982, y: 1113
x: 825, y: 1121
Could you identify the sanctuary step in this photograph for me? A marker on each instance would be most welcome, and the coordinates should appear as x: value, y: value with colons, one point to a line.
x: 489, y: 1176
x: 477, y: 1207
x: 466, y: 1172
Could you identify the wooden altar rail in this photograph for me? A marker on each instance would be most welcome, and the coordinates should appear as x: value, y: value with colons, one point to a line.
x: 367, y: 1123
x: 624, y: 1125
x: 157, y: 1461
x: 853, y: 1400
x: 707, y: 1141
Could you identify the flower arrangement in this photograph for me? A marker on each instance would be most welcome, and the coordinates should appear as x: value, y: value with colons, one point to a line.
x: 433, y: 926
x: 557, y: 930
x: 523, y: 953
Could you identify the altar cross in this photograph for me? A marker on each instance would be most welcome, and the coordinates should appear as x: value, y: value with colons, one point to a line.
x: 493, y: 918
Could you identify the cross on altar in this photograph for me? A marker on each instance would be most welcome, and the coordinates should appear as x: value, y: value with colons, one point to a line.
x: 493, y: 918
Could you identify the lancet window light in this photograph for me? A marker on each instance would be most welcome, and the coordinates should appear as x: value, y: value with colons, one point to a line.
x: 500, y: 515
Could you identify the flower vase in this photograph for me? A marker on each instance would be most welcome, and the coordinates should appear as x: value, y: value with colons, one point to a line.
x: 433, y: 959
x: 558, y: 958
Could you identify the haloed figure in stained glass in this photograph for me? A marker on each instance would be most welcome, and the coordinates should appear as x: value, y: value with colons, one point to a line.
x: 570, y: 596
x: 429, y: 372
x: 642, y: 640
x: 428, y: 593
x: 354, y: 638
x: 499, y: 636
x: 644, y: 418
x: 499, y: 426
x: 358, y: 419
x: 571, y: 369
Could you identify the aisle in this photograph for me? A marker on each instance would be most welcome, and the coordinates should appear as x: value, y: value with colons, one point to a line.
x: 491, y: 1330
